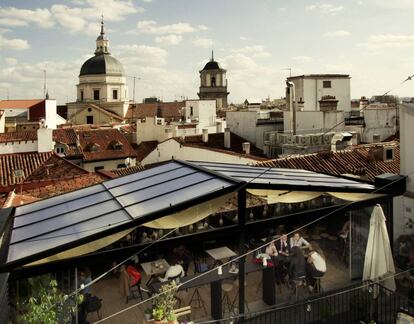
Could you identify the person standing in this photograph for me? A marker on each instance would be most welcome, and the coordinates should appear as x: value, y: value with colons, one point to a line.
x: 315, y: 265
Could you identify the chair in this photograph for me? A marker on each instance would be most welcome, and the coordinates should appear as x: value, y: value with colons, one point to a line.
x: 298, y: 282
x: 236, y: 297
x: 125, y: 285
x: 138, y: 289
x: 318, y: 286
x: 200, y: 265
x: 93, y: 304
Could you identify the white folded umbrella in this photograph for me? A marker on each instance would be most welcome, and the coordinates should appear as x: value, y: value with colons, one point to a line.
x: 379, y: 263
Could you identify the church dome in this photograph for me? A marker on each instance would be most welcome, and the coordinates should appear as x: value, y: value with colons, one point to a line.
x: 102, y: 64
x: 212, y: 65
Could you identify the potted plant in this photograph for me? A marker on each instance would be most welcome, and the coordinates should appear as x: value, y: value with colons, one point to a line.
x: 172, y: 318
x: 158, y: 314
x: 147, y: 314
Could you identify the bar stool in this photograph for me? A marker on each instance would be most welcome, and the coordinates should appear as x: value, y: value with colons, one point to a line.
x: 300, y: 281
x: 236, y: 298
x: 227, y: 288
x: 196, y: 301
x: 318, y: 286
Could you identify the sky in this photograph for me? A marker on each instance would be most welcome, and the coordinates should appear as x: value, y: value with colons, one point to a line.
x: 164, y: 44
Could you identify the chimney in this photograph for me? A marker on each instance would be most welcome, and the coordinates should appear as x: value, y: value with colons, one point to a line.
x: 246, y: 148
x: 227, y: 143
x: 219, y: 127
x: 205, y: 135
x: 168, y: 132
x: 45, y: 140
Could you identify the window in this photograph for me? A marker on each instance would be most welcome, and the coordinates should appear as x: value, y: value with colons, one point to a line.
x: 81, y: 95
x: 98, y: 168
x: 95, y: 94
x: 327, y: 84
x: 114, y: 94
x: 120, y: 166
x: 60, y: 150
x: 89, y: 119
x: 191, y: 111
x: 213, y: 81
x: 389, y: 154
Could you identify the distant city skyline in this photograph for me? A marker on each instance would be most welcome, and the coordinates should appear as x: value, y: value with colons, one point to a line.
x: 166, y: 43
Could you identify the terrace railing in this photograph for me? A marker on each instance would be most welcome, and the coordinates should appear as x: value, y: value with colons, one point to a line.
x: 4, y: 297
x: 354, y: 304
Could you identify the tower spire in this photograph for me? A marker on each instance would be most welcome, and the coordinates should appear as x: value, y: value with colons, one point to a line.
x: 102, y: 26
x: 212, y: 55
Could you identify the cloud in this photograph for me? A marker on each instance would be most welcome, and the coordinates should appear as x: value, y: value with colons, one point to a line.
x: 243, y: 38
x: 76, y: 18
x: 337, y: 33
x: 15, y: 44
x: 22, y: 17
x: 388, y: 41
x: 151, y: 27
x: 254, y: 50
x: 325, y: 8
x: 339, y: 68
x: 302, y: 58
x: 202, y: 27
x: 203, y: 42
x: 169, y: 39
x: 141, y: 54
x: 11, y: 60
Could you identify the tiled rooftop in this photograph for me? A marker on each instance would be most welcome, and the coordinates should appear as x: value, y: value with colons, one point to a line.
x: 358, y: 161
x: 26, y: 162
x: 167, y: 110
x: 15, y: 104
x: 102, y: 110
x: 144, y: 148
x: 104, y: 144
x: 216, y: 142
x: 18, y: 136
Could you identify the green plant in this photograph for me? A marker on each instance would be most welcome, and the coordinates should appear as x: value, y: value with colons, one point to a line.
x: 165, y: 299
x: 158, y: 313
x: 48, y: 305
x: 171, y: 316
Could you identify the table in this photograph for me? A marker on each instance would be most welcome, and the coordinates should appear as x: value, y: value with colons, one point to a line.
x: 155, y: 268
x: 214, y: 280
x: 220, y: 253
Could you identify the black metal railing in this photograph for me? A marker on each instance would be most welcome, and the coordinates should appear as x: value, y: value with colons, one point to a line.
x: 360, y: 303
x: 4, y: 297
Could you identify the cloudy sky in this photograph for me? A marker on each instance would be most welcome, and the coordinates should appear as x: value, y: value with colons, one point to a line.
x: 166, y: 42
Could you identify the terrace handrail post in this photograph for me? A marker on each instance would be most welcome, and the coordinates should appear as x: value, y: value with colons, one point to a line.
x: 241, y: 210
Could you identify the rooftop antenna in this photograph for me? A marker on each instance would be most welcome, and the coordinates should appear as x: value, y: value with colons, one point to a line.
x: 44, y: 83
x: 290, y: 71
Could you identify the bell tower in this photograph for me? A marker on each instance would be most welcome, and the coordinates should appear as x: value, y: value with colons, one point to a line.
x: 213, y: 83
x: 102, y: 42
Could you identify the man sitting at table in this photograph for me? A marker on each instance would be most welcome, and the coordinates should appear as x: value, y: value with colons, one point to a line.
x: 283, y: 246
x: 175, y: 270
x: 298, y: 241
x: 271, y: 249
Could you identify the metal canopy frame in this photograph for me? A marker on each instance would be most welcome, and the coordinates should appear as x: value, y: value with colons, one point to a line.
x: 144, y: 188
x: 148, y: 195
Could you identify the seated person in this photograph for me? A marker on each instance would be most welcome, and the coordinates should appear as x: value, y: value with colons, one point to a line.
x: 183, y: 256
x: 345, y: 230
x: 282, y: 246
x: 315, y: 265
x: 85, y: 278
x: 298, y: 241
x: 173, y: 271
x: 297, y: 267
x: 271, y: 249
x: 133, y: 274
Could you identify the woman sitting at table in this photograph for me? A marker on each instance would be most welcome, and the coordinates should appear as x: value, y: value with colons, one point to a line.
x: 297, y: 267
x: 133, y: 273
x: 298, y: 241
x: 175, y: 270
x: 315, y: 265
x: 271, y: 249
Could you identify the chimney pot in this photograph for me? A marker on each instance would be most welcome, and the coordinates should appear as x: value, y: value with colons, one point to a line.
x: 205, y: 135
x: 227, y: 142
x: 246, y: 147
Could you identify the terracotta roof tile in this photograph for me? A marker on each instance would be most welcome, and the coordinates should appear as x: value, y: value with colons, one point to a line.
x: 104, y: 144
x: 216, y: 142
x: 144, y: 148
x: 18, y: 136
x: 68, y: 137
x: 126, y: 171
x: 27, y: 162
x: 358, y: 161
x: 102, y: 110
x: 167, y: 110
x: 15, y: 104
